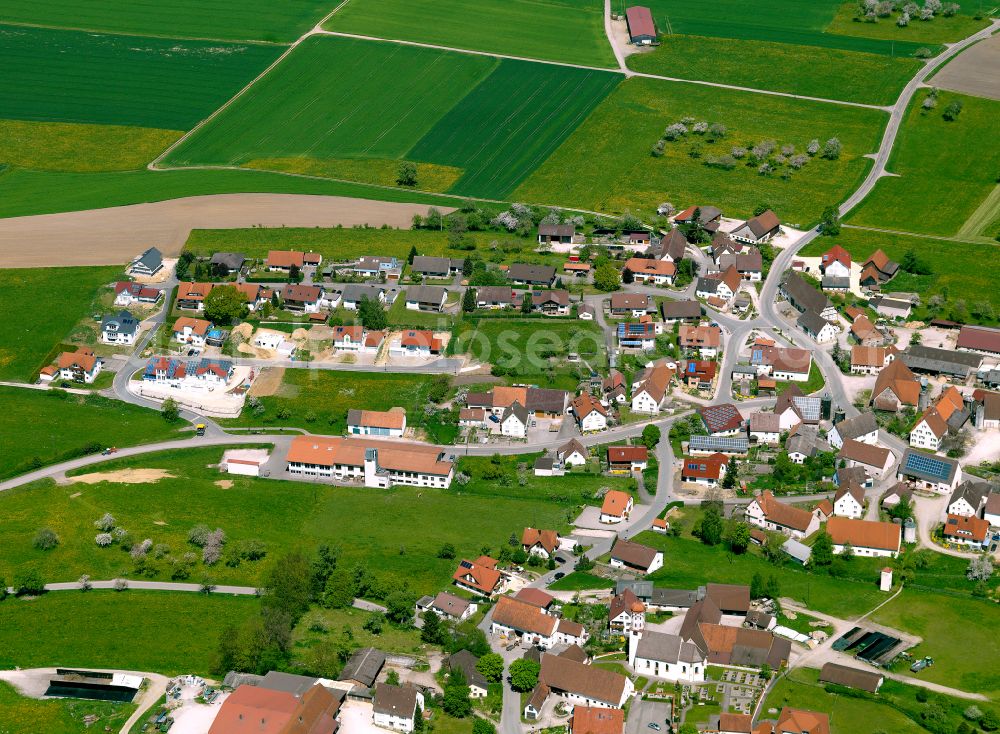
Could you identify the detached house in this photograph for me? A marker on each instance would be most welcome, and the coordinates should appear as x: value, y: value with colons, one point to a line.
x: 540, y: 275
x: 635, y: 557
x: 671, y: 248
x: 627, y: 613
x: 649, y: 393
x: 870, y: 360
x: 719, y: 285
x: 191, y: 296
x: 79, y: 366
x: 590, y: 414
x: 768, y: 513
x: 817, y: 327
x: 480, y: 577
x: 573, y: 453
x: 121, y: 328
x: 191, y: 331
x: 926, y: 471
x: 657, y: 272
x: 395, y: 707
x: 895, y: 388
x: 705, y: 340
x: 862, y: 427
x: 765, y: 428
x: 304, y: 298
x: 426, y: 297
x: 281, y: 261
x: 437, y: 267
x: 543, y: 543
x: 722, y: 420
x: 447, y: 606
x: 798, y: 292
x: 707, y: 470
x: 348, y: 338
x: 556, y: 233
x: 375, y: 266
x: 627, y: 459
x: 128, y: 293
x: 616, y: 507
x: 637, y: 335
x: 758, y: 229
x: 836, y: 263
x: 630, y: 304
x: 968, y: 531
x: 515, y: 421
x: 147, y: 264
x: 849, y: 501
x: 390, y: 423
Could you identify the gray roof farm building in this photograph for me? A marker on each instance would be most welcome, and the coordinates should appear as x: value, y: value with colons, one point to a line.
x: 920, y: 358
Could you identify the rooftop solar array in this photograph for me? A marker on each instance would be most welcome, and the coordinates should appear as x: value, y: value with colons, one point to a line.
x: 719, y: 443
x: 925, y: 465
x: 809, y: 407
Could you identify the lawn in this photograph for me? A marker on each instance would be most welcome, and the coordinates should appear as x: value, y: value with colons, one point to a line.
x: 514, y: 27
x: 951, y: 276
x: 28, y: 336
x: 606, y: 164
x: 163, y: 632
x: 68, y: 76
x: 317, y: 104
x: 932, y: 32
x: 834, y: 74
x: 932, y: 155
x: 581, y: 581
x: 42, y: 428
x: 343, y: 244
x: 395, y: 533
x: 512, y: 122
x: 400, y: 317
x: 533, y: 350
x: 318, y: 400
x: 258, y: 19
x: 22, y: 715
x: 58, y: 146
x: 24, y: 192
x: 815, y: 382
x: 951, y: 628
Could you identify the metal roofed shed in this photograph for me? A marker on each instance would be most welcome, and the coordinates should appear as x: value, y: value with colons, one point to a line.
x: 798, y: 551
x: 364, y: 666
x: 93, y: 685
x: 641, y: 28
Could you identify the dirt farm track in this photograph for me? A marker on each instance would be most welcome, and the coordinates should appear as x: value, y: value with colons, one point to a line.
x: 115, y: 235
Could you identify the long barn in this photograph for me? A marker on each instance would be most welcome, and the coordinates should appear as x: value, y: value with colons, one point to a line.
x: 641, y: 29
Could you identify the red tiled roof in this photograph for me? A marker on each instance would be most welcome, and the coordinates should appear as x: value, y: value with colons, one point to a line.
x: 285, y: 258
x: 616, y: 503
x: 627, y: 454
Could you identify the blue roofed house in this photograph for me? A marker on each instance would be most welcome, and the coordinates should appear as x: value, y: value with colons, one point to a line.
x: 926, y: 471
x: 148, y: 263
x: 120, y: 328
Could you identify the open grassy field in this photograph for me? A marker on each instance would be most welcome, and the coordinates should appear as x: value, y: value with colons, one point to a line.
x: 318, y: 400
x: 396, y: 533
x: 376, y: 171
x: 848, y: 75
x: 214, y: 19
x: 932, y: 155
x: 24, y: 192
x: 951, y: 276
x: 62, y: 426
x: 165, y: 632
x: 499, y: 143
x: 317, y: 104
x: 533, y: 350
x: 21, y: 715
x: 938, y: 30
x: 68, y: 76
x: 27, y: 336
x: 58, y: 146
x: 515, y: 27
x: 606, y: 164
x: 950, y: 628
x: 581, y: 581
x: 340, y: 244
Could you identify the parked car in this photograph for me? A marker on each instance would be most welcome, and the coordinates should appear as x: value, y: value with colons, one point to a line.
x: 559, y: 575
x: 653, y: 725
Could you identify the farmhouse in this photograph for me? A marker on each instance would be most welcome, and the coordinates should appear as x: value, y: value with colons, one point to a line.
x: 804, y: 442
x: 395, y: 707
x: 649, y: 393
x: 376, y: 463
x: 590, y: 414
x: 705, y: 340
x: 804, y: 297
x: 878, y: 269
x: 722, y: 420
x: 935, y: 473
x: 870, y: 360
x: 641, y: 29
x: 708, y: 470
x: 965, y: 530
x: 835, y: 263
x: 390, y: 423
x: 895, y: 387
x: 842, y: 675
x: 785, y: 364
x: 720, y: 285
x: 849, y: 501
x: 447, y: 606
x: 147, y: 264
x: 758, y: 229
x: 969, y: 498
x: 531, y: 626
x: 278, y: 709
x: 866, y: 537
x: 794, y: 408
x: 577, y: 684
x: 425, y: 298
x: 667, y: 656
x: 709, y: 217
x: 627, y: 459
x: 437, y: 267
x: 986, y: 407
x: 556, y: 233
x: 636, y: 557
x: 626, y: 613
x: 768, y: 513
x: 862, y: 427
x: 750, y: 264
x: 891, y: 308
x: 79, y: 366
x: 542, y: 402
x: 671, y: 247
x: 874, y: 459
x: 121, y: 328
x: 616, y: 507
x: 465, y: 661
x: 817, y: 327
x: 657, y: 272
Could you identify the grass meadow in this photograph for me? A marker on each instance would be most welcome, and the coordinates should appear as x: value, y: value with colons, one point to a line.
x: 166, y: 632
x: 22, y: 715
x: 42, y: 428
x: 832, y: 73
x: 396, y: 533
x: 606, y: 164
x: 28, y: 334
x: 375, y: 171
x: 212, y: 19
x: 499, y: 143
x: 932, y: 32
x: 24, y: 192
x: 68, y: 76
x: 949, y: 261
x: 932, y: 156
x: 59, y: 146
x: 343, y: 244
x: 319, y: 102
x: 515, y: 27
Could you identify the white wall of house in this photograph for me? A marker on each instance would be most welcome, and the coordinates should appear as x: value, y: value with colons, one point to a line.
x: 847, y: 506
x: 922, y: 437
x: 864, y: 551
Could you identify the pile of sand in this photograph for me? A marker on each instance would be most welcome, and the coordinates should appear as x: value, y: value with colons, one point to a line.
x: 244, y: 330
x: 267, y: 382
x: 124, y: 476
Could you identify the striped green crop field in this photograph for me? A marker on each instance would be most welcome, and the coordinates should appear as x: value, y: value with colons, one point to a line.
x: 511, y: 123
x: 264, y: 20
x: 68, y: 76
x: 338, y: 98
x: 558, y: 30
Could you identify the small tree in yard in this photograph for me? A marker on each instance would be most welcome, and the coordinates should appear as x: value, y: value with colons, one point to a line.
x: 822, y: 550
x: 731, y: 475
x: 456, y: 701
x: 406, y: 175
x: 372, y: 314
x: 482, y: 726
x: 524, y: 675
x: 225, y: 304
x: 526, y: 303
x: 980, y: 568
x: 832, y: 149
x: 469, y: 300
x: 710, y: 529
x: 392, y: 678
x: 432, y: 631
x: 170, y: 411
x: 739, y: 537
x: 491, y: 666
x: 651, y: 436
x: 606, y: 278
x: 28, y: 581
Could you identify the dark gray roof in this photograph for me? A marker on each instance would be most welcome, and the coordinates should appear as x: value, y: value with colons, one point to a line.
x: 354, y: 292
x: 425, y: 264
x: 531, y: 273
x: 544, y: 463
x: 860, y: 425
x: 556, y: 230
x: 843, y: 675
x: 546, y: 399
x: 811, y: 322
x: 495, y: 294
x: 151, y: 260
x: 681, y: 309
x: 802, y: 295
x: 431, y: 295
x: 466, y: 662
x: 515, y: 409
x: 799, y: 551
x: 834, y: 283
x: 667, y: 648
x: 971, y: 491
x: 642, y: 589
x: 400, y: 701
x: 941, y: 361
x: 364, y: 666
x: 287, y: 682
x: 232, y: 260
x: 927, y: 467
x: 682, y: 598
x: 707, y: 285
x: 125, y: 322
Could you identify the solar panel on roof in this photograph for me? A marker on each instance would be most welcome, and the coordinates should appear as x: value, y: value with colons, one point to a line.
x: 928, y: 465
x: 719, y: 442
x: 809, y: 407
x: 465, y: 564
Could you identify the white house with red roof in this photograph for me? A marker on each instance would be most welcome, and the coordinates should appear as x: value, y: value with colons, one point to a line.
x: 835, y: 263
x: 591, y: 415
x: 616, y: 507
x: 707, y: 470
x: 481, y: 576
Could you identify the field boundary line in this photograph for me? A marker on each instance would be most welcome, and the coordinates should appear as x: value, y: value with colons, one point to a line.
x: 164, y: 36
x: 901, y: 233
x: 983, y: 215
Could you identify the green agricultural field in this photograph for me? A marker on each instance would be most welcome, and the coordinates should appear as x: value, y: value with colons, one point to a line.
x: 374, y: 171
x: 932, y: 155
x: 42, y: 428
x: 931, y: 32
x: 514, y: 27
x: 342, y: 244
x: 318, y: 104
x: 396, y: 533
x: 606, y: 164
x: 22, y: 715
x: 212, y: 19
x: 533, y: 350
x: 950, y: 628
x: 57, y: 146
x: 781, y: 21
x: 318, y: 400
x: 25, y: 192
x: 165, y: 632
x: 499, y: 143
x: 67, y: 76
x: 833, y: 74
x: 28, y: 337
x: 951, y: 276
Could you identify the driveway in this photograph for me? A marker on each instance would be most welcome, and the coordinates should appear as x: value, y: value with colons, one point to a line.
x: 643, y: 713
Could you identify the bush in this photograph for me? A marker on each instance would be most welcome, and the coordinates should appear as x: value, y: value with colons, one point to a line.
x: 45, y: 539
x: 28, y: 581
